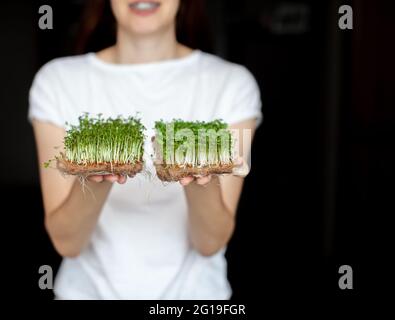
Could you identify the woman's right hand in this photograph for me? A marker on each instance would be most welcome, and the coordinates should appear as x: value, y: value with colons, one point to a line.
x: 70, y: 213
x: 121, y: 179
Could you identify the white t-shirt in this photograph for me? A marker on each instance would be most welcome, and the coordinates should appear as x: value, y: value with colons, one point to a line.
x: 140, y: 247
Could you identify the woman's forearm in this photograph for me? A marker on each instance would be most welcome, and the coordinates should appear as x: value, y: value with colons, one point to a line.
x: 211, y: 224
x: 70, y: 226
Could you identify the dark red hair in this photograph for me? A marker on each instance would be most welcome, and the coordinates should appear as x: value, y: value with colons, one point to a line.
x: 98, y: 26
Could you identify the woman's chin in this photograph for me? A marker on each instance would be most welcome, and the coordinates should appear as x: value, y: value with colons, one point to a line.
x: 144, y: 29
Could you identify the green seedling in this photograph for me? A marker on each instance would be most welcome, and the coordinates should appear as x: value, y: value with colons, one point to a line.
x: 96, y: 141
x: 193, y: 144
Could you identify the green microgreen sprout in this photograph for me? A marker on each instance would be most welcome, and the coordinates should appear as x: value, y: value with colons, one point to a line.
x: 96, y: 140
x: 194, y: 143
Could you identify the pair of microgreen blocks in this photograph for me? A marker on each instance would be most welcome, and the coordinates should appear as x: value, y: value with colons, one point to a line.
x: 116, y: 146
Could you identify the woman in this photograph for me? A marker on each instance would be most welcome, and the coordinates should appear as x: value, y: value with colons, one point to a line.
x: 140, y: 239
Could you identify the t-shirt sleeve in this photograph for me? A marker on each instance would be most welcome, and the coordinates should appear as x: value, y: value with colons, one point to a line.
x: 244, y: 97
x: 43, y: 100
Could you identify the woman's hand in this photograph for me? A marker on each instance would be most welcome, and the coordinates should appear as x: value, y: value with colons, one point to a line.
x: 121, y: 179
x: 241, y: 169
x: 202, y: 180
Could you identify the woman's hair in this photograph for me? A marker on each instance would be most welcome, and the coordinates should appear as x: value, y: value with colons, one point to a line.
x: 98, y: 26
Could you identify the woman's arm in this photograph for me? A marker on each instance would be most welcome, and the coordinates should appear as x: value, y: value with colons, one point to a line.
x: 70, y: 213
x: 212, y: 203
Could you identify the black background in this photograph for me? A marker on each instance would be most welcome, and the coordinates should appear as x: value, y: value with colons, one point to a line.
x: 322, y: 185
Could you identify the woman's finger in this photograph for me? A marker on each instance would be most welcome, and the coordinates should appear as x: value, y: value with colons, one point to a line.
x: 122, y: 179
x: 185, y: 181
x: 241, y: 169
x: 95, y: 178
x: 203, y: 180
x: 110, y: 177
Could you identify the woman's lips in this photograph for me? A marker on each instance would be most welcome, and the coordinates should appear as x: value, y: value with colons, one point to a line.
x: 144, y: 8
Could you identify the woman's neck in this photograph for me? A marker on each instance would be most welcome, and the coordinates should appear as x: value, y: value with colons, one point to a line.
x: 135, y: 49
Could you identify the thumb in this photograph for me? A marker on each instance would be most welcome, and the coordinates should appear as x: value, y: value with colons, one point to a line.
x: 241, y: 169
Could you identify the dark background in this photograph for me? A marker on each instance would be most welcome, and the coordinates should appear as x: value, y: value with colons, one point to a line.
x: 322, y: 183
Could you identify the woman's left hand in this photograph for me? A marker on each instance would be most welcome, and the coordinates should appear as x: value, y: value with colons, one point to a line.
x: 241, y: 169
x: 202, y: 180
